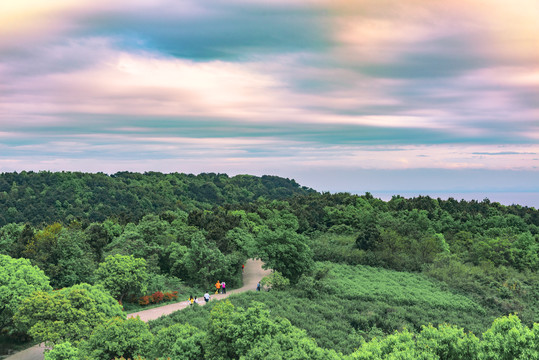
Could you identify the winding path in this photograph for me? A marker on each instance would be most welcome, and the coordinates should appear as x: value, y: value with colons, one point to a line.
x: 251, y: 276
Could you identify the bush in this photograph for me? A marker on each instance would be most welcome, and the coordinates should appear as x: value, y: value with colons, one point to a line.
x: 170, y: 296
x: 157, y: 297
x: 275, y: 281
x: 63, y: 351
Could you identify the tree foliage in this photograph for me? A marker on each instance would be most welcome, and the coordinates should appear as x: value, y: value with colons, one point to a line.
x: 18, y: 280
x: 69, y: 314
x: 122, y: 275
x: 118, y: 337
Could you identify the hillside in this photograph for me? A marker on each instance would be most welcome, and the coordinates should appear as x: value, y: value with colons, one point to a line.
x: 349, y: 269
x: 47, y: 197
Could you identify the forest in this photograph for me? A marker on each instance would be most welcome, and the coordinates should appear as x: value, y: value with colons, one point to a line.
x: 354, y: 277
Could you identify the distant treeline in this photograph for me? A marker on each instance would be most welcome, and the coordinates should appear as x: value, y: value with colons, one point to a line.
x: 46, y: 197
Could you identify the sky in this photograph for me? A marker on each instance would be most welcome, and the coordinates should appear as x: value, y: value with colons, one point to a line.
x: 389, y: 97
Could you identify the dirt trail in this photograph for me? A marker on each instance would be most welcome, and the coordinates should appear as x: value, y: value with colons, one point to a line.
x: 251, y: 276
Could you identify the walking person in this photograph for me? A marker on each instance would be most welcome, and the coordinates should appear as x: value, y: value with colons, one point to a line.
x: 191, y: 300
x: 223, y: 287
x: 218, y: 287
x: 206, y: 297
x: 242, y: 267
x: 258, y: 286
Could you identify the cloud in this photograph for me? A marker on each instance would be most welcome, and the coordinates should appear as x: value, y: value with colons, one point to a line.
x: 269, y: 86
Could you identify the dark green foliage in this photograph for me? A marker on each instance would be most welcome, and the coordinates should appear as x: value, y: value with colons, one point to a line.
x: 46, y: 197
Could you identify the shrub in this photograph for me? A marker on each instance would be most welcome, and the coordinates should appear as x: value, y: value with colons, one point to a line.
x: 144, y: 300
x: 169, y: 296
x: 157, y: 297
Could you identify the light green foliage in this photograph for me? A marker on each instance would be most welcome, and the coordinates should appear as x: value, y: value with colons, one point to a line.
x: 399, y: 288
x: 526, y: 251
x: 122, y: 275
x: 18, y: 280
x: 294, y: 345
x: 63, y: 351
x: 508, y: 339
x: 395, y: 346
x: 118, y: 337
x: 69, y: 314
x: 448, y: 342
x: 179, y: 341
x: 275, y: 281
x: 499, y: 289
x: 351, y: 302
x: 339, y: 249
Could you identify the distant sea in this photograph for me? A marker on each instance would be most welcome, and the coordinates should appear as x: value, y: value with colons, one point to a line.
x: 530, y: 199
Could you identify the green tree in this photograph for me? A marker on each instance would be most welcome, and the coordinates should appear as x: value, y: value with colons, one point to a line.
x: 179, y: 341
x: 448, y: 342
x: 204, y: 262
x: 233, y: 331
x: 18, y: 280
x: 509, y: 339
x: 69, y: 314
x: 275, y: 281
x: 369, y: 235
x: 41, y: 249
x: 294, y: 345
x: 118, y: 337
x: 8, y: 239
x: 63, y: 351
x: 285, y: 251
x: 122, y: 275
x: 73, y: 258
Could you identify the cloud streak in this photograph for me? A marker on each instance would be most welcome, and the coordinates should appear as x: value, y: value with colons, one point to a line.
x: 269, y: 85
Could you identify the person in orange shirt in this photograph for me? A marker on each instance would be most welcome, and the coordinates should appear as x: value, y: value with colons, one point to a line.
x: 218, y: 287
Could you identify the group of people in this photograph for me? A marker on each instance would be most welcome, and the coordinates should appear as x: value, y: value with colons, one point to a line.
x: 221, y: 287
x: 193, y: 300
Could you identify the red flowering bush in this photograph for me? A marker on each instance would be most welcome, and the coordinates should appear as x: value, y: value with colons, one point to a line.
x: 169, y: 296
x: 145, y: 300
x: 157, y: 297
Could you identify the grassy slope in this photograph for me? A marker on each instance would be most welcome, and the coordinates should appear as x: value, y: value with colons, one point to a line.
x: 355, y: 302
